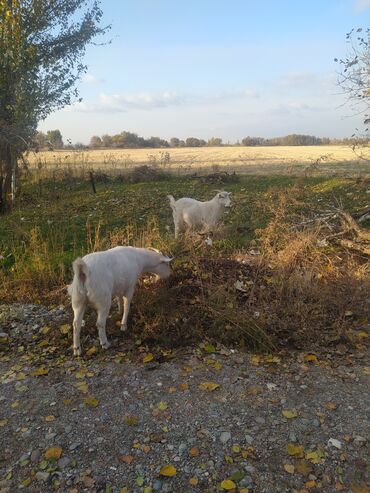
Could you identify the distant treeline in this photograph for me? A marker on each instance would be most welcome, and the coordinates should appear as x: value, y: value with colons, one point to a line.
x: 127, y: 140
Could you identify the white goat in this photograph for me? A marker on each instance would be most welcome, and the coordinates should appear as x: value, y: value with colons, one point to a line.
x: 101, y: 275
x: 194, y: 213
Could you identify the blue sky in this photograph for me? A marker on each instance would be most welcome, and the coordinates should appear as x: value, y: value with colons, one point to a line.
x: 224, y: 68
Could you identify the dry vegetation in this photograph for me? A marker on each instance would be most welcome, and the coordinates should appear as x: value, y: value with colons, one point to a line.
x: 280, y: 272
x: 251, y: 160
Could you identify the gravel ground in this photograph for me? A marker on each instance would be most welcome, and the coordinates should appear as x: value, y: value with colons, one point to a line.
x: 219, y: 419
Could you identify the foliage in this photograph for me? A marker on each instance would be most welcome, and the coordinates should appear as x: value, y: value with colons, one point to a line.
x: 41, y: 48
x: 355, y: 69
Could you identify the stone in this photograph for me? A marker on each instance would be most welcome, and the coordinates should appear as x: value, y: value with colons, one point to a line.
x: 225, y: 436
x: 42, y: 476
x: 64, y: 462
x: 35, y: 455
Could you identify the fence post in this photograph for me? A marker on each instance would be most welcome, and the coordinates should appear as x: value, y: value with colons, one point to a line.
x: 92, y: 181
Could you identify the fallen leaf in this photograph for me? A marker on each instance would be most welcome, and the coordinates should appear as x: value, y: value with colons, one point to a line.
x: 209, y: 386
x: 3, y: 422
x: 227, y: 484
x: 296, y: 450
x: 330, y: 406
x: 148, y: 357
x: 64, y: 329
x: 289, y: 414
x: 40, y: 372
x: 91, y: 401
x: 315, y: 456
x: 127, y: 459
x: 303, y: 467
x: 162, y: 406
x: 131, y: 420
x: 92, y: 351
x: 289, y: 468
x: 53, y: 453
x: 310, y: 358
x: 82, y: 387
x: 147, y: 449
x: 193, y: 481
x: 194, y: 451
x: 140, y: 480
x: 168, y: 471
x: 310, y: 484
x: 236, y: 448
x: 50, y: 418
x: 184, y: 386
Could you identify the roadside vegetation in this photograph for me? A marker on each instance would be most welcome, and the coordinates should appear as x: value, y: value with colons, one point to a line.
x: 276, y: 274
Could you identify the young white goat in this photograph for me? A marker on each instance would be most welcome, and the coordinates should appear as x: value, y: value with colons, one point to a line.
x: 194, y: 213
x: 101, y: 275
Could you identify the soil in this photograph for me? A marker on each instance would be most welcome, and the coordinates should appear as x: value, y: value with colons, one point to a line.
x: 222, y: 419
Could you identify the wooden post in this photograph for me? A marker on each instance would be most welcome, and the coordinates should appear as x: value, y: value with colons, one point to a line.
x: 92, y: 181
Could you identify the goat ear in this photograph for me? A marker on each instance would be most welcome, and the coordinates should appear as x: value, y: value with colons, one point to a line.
x: 167, y: 260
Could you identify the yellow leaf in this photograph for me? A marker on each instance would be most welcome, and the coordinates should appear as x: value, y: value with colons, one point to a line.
x: 184, y: 386
x: 14, y: 404
x: 193, y: 481
x: 82, y: 387
x: 45, y: 330
x: 289, y: 414
x: 194, y: 451
x: 289, y: 468
x: 227, y: 484
x: 162, y: 406
x: 209, y: 386
x: 296, y: 450
x: 40, y: 372
x: 168, y: 471
x: 255, y: 360
x: 148, y: 357
x: 244, y: 490
x: 315, y: 456
x: 3, y: 422
x: 131, y: 420
x: 236, y: 449
x: 49, y: 418
x: 65, y: 328
x: 80, y: 374
x: 310, y: 358
x: 92, y: 351
x: 91, y: 401
x: 331, y: 406
x: 303, y: 467
x: 53, y: 453
x: 366, y: 370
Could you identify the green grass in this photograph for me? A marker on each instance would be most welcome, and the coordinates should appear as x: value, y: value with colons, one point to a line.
x: 58, y: 213
x: 53, y: 222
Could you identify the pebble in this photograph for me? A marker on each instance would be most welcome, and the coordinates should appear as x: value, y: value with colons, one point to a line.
x: 292, y: 437
x: 246, y: 482
x: 157, y: 485
x: 42, y: 476
x: 225, y: 436
x: 35, y: 455
x: 249, y: 439
x: 74, y: 445
x: 64, y: 462
x: 260, y: 420
x: 50, y: 436
x: 68, y: 429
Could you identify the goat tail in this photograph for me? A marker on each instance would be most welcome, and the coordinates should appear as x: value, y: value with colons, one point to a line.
x: 172, y: 201
x: 81, y: 273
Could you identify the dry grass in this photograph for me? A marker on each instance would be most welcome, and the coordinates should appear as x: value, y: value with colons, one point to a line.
x: 252, y: 160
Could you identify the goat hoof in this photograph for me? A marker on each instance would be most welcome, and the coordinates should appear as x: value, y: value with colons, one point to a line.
x: 123, y: 327
x: 106, y: 345
x: 77, y: 351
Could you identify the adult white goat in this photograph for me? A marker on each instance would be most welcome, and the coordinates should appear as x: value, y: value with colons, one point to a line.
x: 101, y: 275
x: 194, y: 213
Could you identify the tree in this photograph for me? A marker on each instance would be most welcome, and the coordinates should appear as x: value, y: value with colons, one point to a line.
x: 55, y: 139
x: 174, y: 142
x: 95, y: 142
x: 106, y: 140
x: 354, y: 78
x: 42, y: 44
x: 214, y: 142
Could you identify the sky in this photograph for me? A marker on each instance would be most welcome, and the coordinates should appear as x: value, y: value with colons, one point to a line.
x: 216, y: 68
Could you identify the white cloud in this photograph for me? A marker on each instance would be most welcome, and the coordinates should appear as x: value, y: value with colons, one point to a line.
x: 121, y: 103
x: 92, y: 79
x: 361, y: 5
